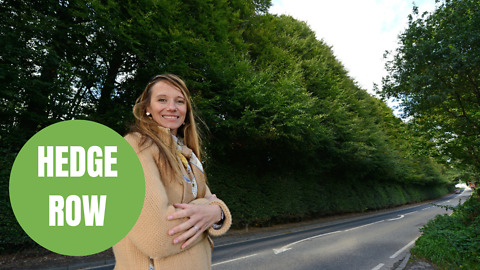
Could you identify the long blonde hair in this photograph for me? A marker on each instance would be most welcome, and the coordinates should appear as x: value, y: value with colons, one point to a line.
x: 149, y: 129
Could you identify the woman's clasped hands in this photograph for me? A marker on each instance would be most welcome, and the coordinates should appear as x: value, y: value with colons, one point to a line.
x: 200, y: 219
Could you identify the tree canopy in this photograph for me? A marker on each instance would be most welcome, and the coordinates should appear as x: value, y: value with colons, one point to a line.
x: 435, y: 74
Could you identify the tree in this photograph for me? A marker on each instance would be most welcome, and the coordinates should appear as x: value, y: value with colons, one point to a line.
x: 435, y: 74
x: 77, y: 59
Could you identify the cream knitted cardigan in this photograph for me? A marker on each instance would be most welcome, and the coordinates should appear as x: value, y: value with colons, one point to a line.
x: 148, y: 242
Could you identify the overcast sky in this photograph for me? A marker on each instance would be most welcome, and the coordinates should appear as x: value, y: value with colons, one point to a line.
x: 360, y: 31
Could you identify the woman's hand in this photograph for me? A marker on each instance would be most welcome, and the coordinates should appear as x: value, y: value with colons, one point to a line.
x: 200, y: 218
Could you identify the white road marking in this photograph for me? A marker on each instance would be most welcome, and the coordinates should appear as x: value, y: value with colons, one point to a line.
x: 411, y: 213
x: 288, y: 247
x: 400, y: 217
x: 403, y: 249
x: 364, y: 225
x: 232, y: 260
x: 378, y: 266
x: 280, y: 250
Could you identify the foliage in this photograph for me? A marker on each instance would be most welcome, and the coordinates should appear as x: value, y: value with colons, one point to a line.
x: 288, y: 134
x: 263, y: 200
x: 453, y: 242
x: 435, y: 74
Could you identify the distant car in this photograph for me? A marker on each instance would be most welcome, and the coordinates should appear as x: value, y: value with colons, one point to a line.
x: 457, y: 191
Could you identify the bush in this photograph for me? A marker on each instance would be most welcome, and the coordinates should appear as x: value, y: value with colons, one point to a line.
x: 12, y: 236
x: 264, y: 198
x: 453, y: 242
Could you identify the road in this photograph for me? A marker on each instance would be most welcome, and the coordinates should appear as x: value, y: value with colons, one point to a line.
x: 375, y: 241
x: 370, y: 242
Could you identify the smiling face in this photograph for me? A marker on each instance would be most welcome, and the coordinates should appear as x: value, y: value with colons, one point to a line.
x: 168, y: 106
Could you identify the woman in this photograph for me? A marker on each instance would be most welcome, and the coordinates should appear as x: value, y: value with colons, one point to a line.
x: 179, y: 211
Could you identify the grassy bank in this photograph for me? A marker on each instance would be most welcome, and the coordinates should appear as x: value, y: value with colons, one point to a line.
x: 453, y: 242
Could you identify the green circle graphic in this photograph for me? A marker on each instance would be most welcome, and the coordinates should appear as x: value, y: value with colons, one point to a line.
x: 77, y: 187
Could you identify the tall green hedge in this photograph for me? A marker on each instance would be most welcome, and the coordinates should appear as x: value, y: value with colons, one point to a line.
x: 263, y: 199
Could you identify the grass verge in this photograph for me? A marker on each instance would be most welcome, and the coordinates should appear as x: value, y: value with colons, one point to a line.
x: 453, y: 242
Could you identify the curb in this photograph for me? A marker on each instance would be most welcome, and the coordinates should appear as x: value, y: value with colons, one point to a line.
x: 404, y: 262
x: 89, y: 265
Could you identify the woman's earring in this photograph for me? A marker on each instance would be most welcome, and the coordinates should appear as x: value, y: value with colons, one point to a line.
x: 147, y: 113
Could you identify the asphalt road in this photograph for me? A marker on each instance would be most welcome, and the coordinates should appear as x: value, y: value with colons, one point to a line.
x: 373, y: 242
x: 370, y: 242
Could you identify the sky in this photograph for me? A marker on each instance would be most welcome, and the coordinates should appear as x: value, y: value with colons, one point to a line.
x: 359, y: 31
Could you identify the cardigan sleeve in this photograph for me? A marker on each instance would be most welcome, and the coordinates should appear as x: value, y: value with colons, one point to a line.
x: 150, y: 233
x: 227, y: 222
